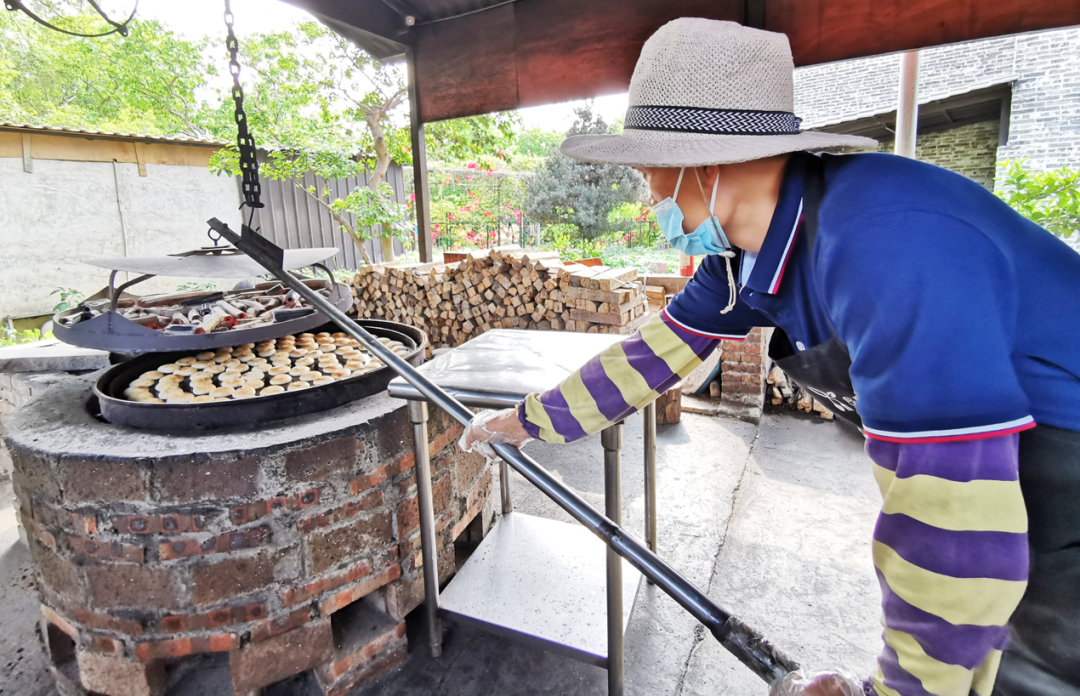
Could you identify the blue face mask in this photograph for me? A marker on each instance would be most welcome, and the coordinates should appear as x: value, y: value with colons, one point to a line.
x: 708, y: 238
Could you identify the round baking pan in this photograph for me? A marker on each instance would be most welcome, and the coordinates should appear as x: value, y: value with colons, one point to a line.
x: 114, y: 408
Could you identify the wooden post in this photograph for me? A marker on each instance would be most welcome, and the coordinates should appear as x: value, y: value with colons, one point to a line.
x: 420, y: 173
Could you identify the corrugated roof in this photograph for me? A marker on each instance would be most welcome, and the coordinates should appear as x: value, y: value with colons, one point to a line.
x: 110, y: 134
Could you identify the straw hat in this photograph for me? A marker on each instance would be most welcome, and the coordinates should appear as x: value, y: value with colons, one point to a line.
x: 708, y: 92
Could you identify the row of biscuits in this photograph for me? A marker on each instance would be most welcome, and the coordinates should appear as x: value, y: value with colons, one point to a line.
x: 250, y: 370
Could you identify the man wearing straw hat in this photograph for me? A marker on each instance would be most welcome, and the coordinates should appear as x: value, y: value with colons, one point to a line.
x: 919, y: 305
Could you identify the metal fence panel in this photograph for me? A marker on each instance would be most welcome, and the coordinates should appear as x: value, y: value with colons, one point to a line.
x: 292, y: 219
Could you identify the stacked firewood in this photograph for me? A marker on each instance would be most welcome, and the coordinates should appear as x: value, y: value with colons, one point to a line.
x: 505, y: 287
x: 787, y: 396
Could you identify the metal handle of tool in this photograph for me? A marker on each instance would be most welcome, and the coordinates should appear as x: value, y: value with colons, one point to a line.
x: 746, y: 644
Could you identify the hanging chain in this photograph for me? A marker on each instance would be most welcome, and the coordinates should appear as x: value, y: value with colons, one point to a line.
x: 249, y: 165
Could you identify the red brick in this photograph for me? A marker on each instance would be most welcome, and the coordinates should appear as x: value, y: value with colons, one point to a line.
x: 182, y: 647
x: 367, y: 586
x: 466, y: 468
x: 393, y: 434
x: 366, y: 481
x: 294, y: 596
x: 343, y: 512
x: 105, y: 622
x: 446, y: 439
x: 158, y: 524
x: 84, y: 524
x: 231, y: 577
x: 39, y: 533
x: 33, y: 475
x: 404, y: 463
x: 368, y: 671
x: 225, y: 543
x: 752, y: 349
x: 201, y: 478
x: 180, y: 623
x: 441, y: 492
x: 752, y: 359
x: 372, y: 633
x: 85, y: 549
x: 327, y: 549
x: 57, y: 574
x: 87, y: 481
x: 408, y: 516
x: 126, y: 585
x: 322, y: 461
x: 104, y: 644
x: 282, y: 656
x: 110, y: 674
x: 404, y: 596
x: 278, y: 625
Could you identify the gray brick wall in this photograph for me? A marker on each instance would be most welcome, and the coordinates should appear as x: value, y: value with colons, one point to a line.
x: 971, y: 150
x: 1045, y: 124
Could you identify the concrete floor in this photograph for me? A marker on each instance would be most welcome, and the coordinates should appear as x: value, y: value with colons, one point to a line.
x: 773, y: 520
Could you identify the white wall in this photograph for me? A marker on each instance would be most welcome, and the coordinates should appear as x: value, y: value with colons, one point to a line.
x: 66, y: 212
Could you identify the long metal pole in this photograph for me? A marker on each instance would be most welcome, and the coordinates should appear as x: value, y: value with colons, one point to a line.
x: 420, y: 170
x: 611, y: 439
x: 907, y: 109
x: 418, y: 416
x: 747, y: 645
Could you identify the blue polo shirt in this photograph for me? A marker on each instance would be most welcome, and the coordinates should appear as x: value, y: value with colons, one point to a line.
x: 962, y: 318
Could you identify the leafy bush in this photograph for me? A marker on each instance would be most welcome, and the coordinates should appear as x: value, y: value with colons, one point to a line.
x: 11, y: 337
x: 1049, y: 199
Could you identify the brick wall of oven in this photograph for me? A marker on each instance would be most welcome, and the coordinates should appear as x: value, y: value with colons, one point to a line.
x: 264, y: 558
x: 743, y: 369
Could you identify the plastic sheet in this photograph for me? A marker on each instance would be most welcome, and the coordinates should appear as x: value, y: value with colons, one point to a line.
x: 827, y: 682
x: 480, y: 434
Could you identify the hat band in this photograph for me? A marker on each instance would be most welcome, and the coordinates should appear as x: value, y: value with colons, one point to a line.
x: 692, y: 119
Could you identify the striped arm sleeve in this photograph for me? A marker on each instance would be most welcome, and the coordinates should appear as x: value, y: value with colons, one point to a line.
x: 951, y: 554
x: 619, y: 381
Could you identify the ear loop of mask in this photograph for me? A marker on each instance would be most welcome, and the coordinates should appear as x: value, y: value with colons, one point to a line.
x: 733, y: 291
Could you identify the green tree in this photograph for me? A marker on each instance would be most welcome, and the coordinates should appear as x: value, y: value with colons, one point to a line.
x: 579, y: 193
x: 321, y: 105
x: 1050, y: 199
x: 146, y: 82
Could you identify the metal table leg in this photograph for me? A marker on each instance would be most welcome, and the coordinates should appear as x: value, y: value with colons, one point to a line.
x: 649, y: 415
x: 418, y: 416
x: 612, y: 439
x: 504, y: 487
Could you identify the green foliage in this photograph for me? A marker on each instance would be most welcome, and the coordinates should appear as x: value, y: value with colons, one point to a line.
x: 579, y: 193
x: 11, y: 337
x: 1050, y: 199
x: 371, y: 209
x: 196, y: 286
x: 147, y: 82
x: 535, y: 142
x: 69, y: 297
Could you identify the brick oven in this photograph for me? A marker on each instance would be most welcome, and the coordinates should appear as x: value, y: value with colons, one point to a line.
x: 255, y: 553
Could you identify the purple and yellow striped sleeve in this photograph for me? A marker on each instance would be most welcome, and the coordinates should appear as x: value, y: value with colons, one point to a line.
x: 951, y: 554
x: 622, y: 379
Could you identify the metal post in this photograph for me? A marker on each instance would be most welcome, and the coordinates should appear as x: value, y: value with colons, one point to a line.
x: 428, y: 547
x: 420, y: 172
x: 612, y: 439
x: 504, y: 487
x: 649, y: 415
x: 907, y: 110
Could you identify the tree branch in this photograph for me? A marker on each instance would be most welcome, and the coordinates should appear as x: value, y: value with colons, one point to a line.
x: 338, y: 218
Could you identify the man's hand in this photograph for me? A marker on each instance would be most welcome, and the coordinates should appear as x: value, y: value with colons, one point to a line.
x: 493, y: 426
x: 822, y: 683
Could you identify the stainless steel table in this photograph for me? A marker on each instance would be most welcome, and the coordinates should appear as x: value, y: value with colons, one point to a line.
x: 532, y: 579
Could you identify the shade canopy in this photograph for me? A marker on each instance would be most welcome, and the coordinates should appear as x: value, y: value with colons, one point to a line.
x: 478, y: 56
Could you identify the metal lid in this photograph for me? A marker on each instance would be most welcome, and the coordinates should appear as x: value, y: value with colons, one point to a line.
x: 211, y: 262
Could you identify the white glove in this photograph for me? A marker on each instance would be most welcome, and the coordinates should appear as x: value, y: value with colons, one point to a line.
x: 829, y: 682
x: 493, y: 426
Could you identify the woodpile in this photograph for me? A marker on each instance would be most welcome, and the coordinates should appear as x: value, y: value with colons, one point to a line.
x: 505, y: 287
x: 786, y: 395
